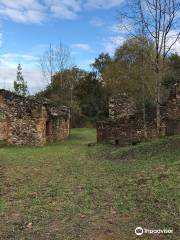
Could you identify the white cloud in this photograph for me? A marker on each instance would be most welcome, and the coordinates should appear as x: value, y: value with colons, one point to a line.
x: 26, y: 11
x: 65, y: 9
x: 38, y: 11
x: 176, y: 47
x: 171, y: 39
x: 81, y: 46
x: 19, y: 4
x: 105, y: 4
x: 63, y: 12
x: 97, y: 22
x: 85, y: 64
x: 112, y: 43
x: 117, y: 40
x: 14, y: 57
x: 32, y: 74
x: 34, y: 79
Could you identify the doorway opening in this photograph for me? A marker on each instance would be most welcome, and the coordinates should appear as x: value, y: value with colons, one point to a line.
x: 48, y: 128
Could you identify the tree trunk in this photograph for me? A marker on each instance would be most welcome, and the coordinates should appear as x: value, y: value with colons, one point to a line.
x: 158, y: 102
x: 144, y: 111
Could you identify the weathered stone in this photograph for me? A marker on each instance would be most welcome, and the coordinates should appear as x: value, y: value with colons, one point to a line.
x: 125, y: 124
x: 121, y: 106
x: 31, y: 121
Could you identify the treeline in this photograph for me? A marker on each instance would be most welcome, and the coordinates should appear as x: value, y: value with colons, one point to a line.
x: 143, y: 67
x: 130, y: 71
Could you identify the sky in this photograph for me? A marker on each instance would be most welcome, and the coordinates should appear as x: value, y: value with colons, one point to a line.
x: 27, y: 27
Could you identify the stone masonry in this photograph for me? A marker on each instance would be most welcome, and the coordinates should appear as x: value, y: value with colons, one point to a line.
x: 28, y: 121
x: 125, y: 123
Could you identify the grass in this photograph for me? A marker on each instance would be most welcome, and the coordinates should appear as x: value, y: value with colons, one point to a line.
x: 70, y: 191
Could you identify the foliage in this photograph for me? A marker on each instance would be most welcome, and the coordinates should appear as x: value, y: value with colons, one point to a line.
x: 124, y: 73
x: 91, y: 96
x: 101, y: 62
x: 83, y: 92
x: 173, y: 70
x: 20, y: 86
x: 130, y: 71
x: 62, y: 86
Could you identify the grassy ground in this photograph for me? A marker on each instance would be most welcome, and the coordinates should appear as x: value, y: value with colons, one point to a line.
x: 70, y: 191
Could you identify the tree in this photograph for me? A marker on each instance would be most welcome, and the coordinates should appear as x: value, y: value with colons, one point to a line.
x: 92, y: 97
x: 132, y: 25
x: 158, y: 19
x: 172, y: 75
x: 54, y: 60
x: 131, y: 72
x: 62, y: 90
x: 101, y: 62
x: 123, y: 74
x: 20, y: 86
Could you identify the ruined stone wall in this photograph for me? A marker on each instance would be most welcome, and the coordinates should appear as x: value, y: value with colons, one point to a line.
x: 24, y: 132
x: 125, y: 122
x: 3, y: 121
x: 123, y: 131
x: 172, y: 112
x: 121, y: 106
x: 60, y: 129
x: 58, y: 123
x: 23, y: 121
x: 119, y: 127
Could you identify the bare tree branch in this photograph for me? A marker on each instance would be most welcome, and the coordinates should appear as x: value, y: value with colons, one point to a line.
x: 55, y: 59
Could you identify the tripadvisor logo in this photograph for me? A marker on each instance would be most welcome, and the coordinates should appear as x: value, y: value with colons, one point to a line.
x: 140, y: 231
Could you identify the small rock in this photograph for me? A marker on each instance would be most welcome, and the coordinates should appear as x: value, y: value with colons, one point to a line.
x: 29, y: 225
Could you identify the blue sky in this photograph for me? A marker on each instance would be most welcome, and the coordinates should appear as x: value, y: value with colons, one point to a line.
x: 27, y: 27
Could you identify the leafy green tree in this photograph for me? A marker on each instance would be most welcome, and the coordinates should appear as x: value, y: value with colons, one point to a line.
x: 123, y: 74
x: 173, y: 70
x: 158, y: 20
x: 61, y: 89
x: 92, y: 97
x: 20, y: 85
x: 101, y: 62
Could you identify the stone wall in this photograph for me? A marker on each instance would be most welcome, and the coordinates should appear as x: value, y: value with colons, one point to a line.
x: 123, y: 131
x: 57, y: 129
x: 125, y: 124
x: 121, y: 106
x: 25, y: 120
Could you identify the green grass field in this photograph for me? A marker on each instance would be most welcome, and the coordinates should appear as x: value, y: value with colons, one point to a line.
x: 70, y: 191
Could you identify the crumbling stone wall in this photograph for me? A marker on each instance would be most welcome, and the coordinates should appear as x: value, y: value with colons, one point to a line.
x: 172, y: 113
x: 123, y: 131
x: 125, y: 124
x: 24, y: 120
x: 121, y: 106
x: 58, y: 128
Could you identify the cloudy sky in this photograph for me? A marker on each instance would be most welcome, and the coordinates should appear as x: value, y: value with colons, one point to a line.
x: 27, y: 27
